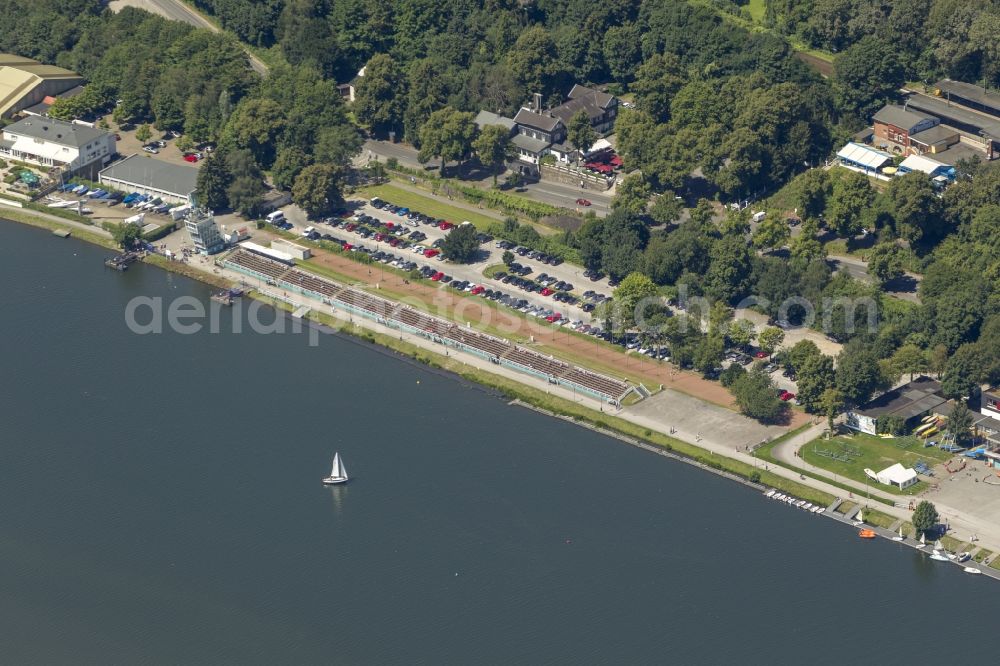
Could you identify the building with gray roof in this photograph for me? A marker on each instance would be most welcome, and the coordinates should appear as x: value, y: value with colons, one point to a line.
x: 71, y: 147
x: 173, y: 183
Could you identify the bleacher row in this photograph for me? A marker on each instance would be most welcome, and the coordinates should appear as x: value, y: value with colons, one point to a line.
x: 397, y: 315
x: 249, y: 261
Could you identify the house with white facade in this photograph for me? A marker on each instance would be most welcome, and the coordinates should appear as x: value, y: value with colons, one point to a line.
x: 74, y: 148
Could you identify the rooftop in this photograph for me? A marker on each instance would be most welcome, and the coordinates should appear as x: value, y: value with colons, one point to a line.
x: 970, y: 92
x: 55, y: 131
x: 34, y: 67
x: 149, y: 172
x: 530, y: 144
x: 529, y: 118
x: 918, y: 397
x: 603, y: 99
x: 863, y: 155
x: 484, y: 118
x: 951, y: 114
x: 922, y: 163
x: 898, y: 116
x: 934, y: 135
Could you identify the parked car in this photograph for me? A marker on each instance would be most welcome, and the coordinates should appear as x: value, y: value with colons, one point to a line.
x: 150, y: 149
x: 582, y: 202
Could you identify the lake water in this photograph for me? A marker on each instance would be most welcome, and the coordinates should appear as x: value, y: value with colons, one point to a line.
x: 161, y: 503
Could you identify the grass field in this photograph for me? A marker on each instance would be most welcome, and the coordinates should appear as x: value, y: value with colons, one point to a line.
x: 757, y: 9
x: 427, y: 205
x: 860, y: 451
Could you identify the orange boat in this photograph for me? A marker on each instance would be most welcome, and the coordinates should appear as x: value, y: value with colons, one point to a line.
x: 867, y: 534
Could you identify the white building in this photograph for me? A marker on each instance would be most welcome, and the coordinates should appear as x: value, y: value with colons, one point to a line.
x: 897, y: 475
x: 57, y: 143
x: 204, y: 232
x: 173, y: 183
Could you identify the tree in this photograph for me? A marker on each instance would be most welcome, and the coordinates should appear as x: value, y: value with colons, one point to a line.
x: 925, y: 518
x: 732, y: 374
x: 448, y: 135
x: 916, y: 208
x: 770, y: 339
x: 666, y: 209
x: 741, y: 333
x: 963, y: 371
x: 852, y: 196
x: 869, y: 74
x: 831, y: 402
x: 812, y: 189
x: 630, y: 297
x: 380, y: 96
x: 427, y: 91
x: 960, y: 423
x: 580, y: 132
x: 143, y: 133
x: 814, y: 377
x: 214, y: 178
x: 317, y: 189
x: 657, y: 80
x: 632, y: 196
x: 771, y: 233
x: 885, y: 262
x: 184, y: 143
x: 533, y: 61
x: 908, y: 359
x: 494, y: 148
x: 461, y: 244
x: 806, y: 247
x: 622, y: 50
x: 756, y: 397
x: 246, y: 194
x: 507, y: 257
x: 290, y: 163
x: 858, y: 374
x: 126, y: 234
x: 801, y: 351
x: 255, y: 126
x: 709, y: 353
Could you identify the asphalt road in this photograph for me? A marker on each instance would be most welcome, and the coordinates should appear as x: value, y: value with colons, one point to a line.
x: 553, y: 193
x: 177, y: 10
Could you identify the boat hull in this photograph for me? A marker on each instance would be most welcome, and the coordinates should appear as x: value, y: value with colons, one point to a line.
x: 334, y: 480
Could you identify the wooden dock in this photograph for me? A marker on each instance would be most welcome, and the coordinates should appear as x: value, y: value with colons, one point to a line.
x: 61, y: 233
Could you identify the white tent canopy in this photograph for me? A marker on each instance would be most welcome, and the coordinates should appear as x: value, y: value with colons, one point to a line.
x: 897, y: 475
x: 920, y: 163
x: 863, y: 156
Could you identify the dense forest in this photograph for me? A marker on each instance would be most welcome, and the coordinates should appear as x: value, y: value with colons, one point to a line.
x: 722, y: 111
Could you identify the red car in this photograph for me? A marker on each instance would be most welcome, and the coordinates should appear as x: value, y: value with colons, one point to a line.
x: 760, y: 354
x: 445, y: 226
x: 394, y: 242
x: 347, y: 246
x: 582, y: 202
x: 390, y: 225
x: 431, y: 252
x: 351, y: 227
x: 437, y: 276
x: 787, y: 395
x: 379, y: 237
x: 188, y: 157
x: 547, y: 292
x: 478, y: 289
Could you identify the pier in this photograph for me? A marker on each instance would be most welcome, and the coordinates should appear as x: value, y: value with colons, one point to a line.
x: 121, y: 262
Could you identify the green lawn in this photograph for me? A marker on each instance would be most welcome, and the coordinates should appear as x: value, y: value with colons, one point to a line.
x: 858, y: 451
x: 426, y: 205
x: 757, y: 9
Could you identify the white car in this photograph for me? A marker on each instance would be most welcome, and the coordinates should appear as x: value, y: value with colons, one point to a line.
x: 418, y: 249
x: 150, y: 149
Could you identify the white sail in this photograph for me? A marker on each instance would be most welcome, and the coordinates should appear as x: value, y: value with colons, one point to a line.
x: 900, y: 530
x: 923, y: 538
x: 340, y: 465
x: 861, y: 517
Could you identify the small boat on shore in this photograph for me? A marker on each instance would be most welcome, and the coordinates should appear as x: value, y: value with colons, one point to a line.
x: 770, y: 493
x: 867, y: 534
x: 923, y: 541
x: 338, y: 474
x: 971, y: 570
x: 899, y: 537
x: 938, y: 555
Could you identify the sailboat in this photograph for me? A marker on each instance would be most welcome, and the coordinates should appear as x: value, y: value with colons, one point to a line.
x: 338, y: 474
x: 859, y: 519
x: 900, y: 537
x: 923, y: 541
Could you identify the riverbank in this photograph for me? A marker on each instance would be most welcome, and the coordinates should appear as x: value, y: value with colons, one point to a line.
x: 550, y: 400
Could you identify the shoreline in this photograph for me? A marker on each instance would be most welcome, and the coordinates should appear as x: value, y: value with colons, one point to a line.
x: 517, y: 393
